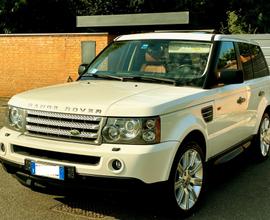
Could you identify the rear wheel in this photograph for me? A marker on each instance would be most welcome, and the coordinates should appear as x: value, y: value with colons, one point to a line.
x: 187, y: 178
x: 262, y: 139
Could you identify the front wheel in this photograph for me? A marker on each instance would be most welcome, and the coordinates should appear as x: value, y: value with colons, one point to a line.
x: 187, y: 178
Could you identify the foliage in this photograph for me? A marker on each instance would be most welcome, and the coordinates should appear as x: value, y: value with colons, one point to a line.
x: 235, y: 25
x: 97, y: 7
x: 227, y: 16
x: 7, y: 9
x: 26, y: 16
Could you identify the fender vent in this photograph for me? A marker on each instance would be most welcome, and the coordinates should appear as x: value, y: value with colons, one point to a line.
x: 207, y: 113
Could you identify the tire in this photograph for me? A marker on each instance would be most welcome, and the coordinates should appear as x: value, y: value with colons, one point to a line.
x: 262, y: 139
x: 187, y: 179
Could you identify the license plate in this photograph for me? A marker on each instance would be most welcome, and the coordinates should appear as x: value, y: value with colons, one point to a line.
x: 47, y: 170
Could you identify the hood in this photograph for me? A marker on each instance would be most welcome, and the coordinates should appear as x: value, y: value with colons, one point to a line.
x: 106, y: 98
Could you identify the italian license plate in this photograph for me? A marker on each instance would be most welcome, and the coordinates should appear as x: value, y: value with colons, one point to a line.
x: 47, y: 170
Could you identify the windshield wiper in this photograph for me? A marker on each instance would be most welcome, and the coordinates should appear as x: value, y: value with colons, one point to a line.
x: 136, y: 78
x: 108, y: 76
x: 153, y: 79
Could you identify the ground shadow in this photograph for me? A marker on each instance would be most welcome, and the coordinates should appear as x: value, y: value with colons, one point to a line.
x: 143, y: 205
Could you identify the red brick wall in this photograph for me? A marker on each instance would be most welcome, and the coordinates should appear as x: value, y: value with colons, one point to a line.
x: 31, y: 61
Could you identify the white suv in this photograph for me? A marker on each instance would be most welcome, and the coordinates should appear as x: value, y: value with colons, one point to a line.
x: 150, y: 109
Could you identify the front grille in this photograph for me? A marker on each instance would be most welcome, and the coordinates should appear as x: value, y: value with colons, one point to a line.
x: 62, y: 126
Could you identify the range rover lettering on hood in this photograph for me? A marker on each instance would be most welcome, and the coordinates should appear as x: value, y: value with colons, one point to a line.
x: 68, y: 109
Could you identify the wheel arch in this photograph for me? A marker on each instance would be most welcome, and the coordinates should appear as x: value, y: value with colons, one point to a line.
x: 195, y: 135
x: 267, y: 109
x: 198, y: 136
x: 261, y: 113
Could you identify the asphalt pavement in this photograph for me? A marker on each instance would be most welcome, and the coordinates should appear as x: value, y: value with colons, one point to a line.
x: 239, y: 189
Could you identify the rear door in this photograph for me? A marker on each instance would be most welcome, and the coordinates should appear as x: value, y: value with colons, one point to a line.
x: 256, y: 75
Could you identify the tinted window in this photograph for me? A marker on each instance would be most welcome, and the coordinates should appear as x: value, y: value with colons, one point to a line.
x: 245, y: 59
x: 171, y: 61
x: 260, y: 67
x: 226, y: 60
x: 227, y: 57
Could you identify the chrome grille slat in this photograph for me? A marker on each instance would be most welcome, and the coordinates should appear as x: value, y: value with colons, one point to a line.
x: 60, y: 132
x: 64, y: 126
x: 57, y: 123
x: 64, y: 115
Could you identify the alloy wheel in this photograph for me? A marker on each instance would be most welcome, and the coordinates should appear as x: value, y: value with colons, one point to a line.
x: 264, y: 145
x: 188, y: 179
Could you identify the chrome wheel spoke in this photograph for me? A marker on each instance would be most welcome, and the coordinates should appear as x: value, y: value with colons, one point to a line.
x: 196, y: 181
x: 265, y: 148
x: 180, y: 196
x: 186, y: 200
x: 186, y: 160
x: 196, y: 169
x: 180, y: 169
x: 193, y: 158
x: 193, y: 196
x: 178, y: 184
x: 266, y: 124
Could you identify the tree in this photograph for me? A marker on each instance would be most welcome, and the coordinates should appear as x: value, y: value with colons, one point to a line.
x: 227, y: 16
x: 7, y: 9
x: 234, y: 24
x: 249, y: 16
x: 28, y: 16
x: 101, y: 7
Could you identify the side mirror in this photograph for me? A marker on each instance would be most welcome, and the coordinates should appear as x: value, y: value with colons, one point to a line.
x: 82, y: 68
x: 231, y: 76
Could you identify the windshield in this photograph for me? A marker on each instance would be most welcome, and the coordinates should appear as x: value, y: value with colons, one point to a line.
x: 167, y: 61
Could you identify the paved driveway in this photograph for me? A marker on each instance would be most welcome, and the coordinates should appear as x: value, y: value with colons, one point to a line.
x: 239, y: 189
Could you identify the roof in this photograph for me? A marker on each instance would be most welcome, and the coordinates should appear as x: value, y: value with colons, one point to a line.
x: 169, y: 35
x: 197, y: 36
x: 237, y: 38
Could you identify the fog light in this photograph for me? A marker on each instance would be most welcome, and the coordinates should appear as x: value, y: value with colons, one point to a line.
x: 117, y: 165
x: 2, y: 147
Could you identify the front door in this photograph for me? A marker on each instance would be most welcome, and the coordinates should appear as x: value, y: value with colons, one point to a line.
x: 231, y: 102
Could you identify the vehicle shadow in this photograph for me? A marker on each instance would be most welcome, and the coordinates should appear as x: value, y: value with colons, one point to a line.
x: 117, y: 205
x: 227, y: 186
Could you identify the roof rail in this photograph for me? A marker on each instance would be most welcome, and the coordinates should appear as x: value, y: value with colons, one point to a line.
x: 202, y: 31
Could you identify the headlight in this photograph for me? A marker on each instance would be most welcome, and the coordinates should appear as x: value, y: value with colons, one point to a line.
x: 132, y: 130
x: 16, y: 118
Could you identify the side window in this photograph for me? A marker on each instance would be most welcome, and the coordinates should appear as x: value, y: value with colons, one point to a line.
x: 245, y: 59
x: 227, y: 57
x: 260, y: 67
x: 226, y: 60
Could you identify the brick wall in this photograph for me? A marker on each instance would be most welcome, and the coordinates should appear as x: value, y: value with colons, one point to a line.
x: 31, y: 61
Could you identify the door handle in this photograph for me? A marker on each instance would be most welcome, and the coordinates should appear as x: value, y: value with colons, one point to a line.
x: 240, y: 100
x: 261, y: 93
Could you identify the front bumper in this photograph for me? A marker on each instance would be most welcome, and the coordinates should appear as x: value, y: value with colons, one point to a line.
x: 78, y: 182
x: 145, y: 163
